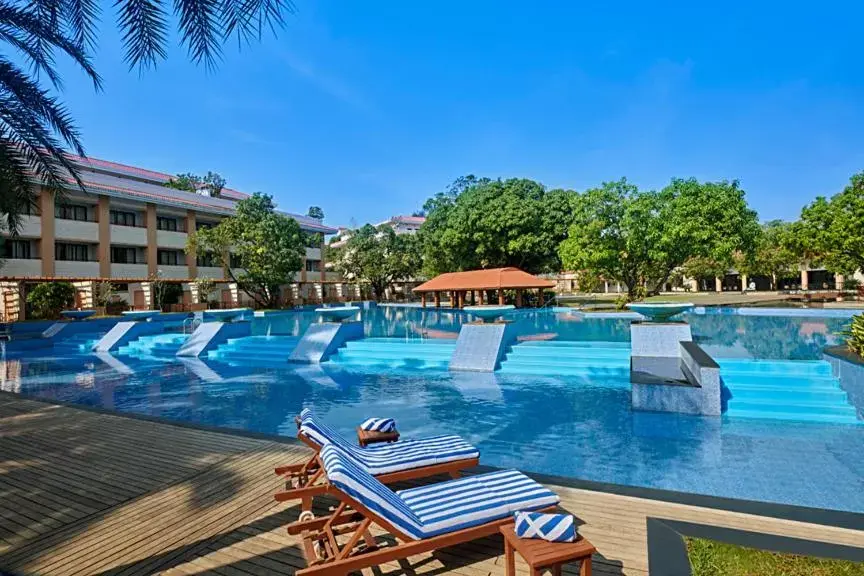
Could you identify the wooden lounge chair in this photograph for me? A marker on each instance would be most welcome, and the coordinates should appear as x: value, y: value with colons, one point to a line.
x: 404, y: 460
x: 420, y: 519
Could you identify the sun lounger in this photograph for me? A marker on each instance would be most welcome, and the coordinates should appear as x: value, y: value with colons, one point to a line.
x: 403, y: 460
x: 420, y: 519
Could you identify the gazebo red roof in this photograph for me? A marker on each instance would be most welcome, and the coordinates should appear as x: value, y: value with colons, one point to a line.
x: 493, y: 279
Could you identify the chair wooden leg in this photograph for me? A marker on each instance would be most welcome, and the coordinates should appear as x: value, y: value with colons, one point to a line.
x: 585, y: 569
x: 509, y: 559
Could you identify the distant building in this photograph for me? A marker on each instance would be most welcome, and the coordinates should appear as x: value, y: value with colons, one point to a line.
x: 127, y: 227
x: 404, y: 224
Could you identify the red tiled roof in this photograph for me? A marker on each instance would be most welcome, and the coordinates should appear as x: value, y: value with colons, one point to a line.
x: 484, y: 280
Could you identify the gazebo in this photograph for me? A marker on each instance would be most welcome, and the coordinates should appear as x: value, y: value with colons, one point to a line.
x: 477, y: 282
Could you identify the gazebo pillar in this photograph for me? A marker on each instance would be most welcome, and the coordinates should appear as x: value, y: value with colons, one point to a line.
x: 437, y: 299
x: 473, y: 298
x: 422, y: 299
x: 518, y: 297
x: 482, y: 294
x: 500, y: 296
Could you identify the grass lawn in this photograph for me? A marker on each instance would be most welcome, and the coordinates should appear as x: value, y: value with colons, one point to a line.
x: 710, y: 558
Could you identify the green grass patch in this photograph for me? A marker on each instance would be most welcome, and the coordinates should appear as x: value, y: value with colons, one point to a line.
x: 711, y: 558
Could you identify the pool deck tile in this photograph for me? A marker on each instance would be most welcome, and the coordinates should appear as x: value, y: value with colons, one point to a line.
x: 83, y: 492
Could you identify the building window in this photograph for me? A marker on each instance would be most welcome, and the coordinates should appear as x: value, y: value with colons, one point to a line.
x: 207, y: 260
x: 167, y: 223
x: 121, y: 287
x: 122, y: 218
x: 70, y: 212
x: 124, y: 255
x: 169, y: 258
x: 204, y: 225
x: 17, y: 249
x: 72, y: 252
x: 234, y: 261
x: 313, y: 265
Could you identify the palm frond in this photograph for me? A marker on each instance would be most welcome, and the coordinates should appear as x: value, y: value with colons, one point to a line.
x: 16, y: 191
x: 248, y: 18
x: 81, y: 17
x: 201, y: 29
x: 144, y: 27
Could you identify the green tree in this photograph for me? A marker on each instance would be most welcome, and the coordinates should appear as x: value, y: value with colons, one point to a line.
x: 772, y: 255
x: 212, y: 184
x: 482, y: 223
x: 48, y: 299
x: 270, y: 246
x: 830, y: 231
x: 204, y: 286
x: 35, y: 127
x: 315, y: 212
x: 641, y: 237
x: 378, y: 257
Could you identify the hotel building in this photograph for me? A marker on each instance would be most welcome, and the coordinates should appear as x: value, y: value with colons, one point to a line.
x: 127, y: 227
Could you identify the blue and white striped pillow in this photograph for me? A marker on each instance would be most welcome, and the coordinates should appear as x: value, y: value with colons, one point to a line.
x: 379, y: 425
x: 551, y: 527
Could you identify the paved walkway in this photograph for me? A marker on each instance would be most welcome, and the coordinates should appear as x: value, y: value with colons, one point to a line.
x: 90, y: 493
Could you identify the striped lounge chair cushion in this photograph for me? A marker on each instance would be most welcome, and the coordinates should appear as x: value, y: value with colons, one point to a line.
x: 379, y: 425
x: 386, y: 458
x: 551, y: 527
x: 439, y: 508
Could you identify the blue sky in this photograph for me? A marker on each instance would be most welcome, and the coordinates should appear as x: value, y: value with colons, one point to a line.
x: 368, y: 108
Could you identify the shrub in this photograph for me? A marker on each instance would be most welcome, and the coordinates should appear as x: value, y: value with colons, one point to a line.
x: 855, y: 335
x: 50, y: 298
x: 851, y: 284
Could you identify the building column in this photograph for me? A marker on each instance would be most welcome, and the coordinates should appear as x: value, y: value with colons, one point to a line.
x: 500, y: 296
x: 743, y: 282
x: 519, y: 298
x: 805, y: 279
x: 321, y: 250
x: 482, y: 296
x: 191, y: 257
x: 437, y: 299
x: 718, y: 284
x: 103, y: 215
x: 605, y: 287
x: 46, y: 244
x: 150, y: 221
x: 422, y: 299
x: 839, y: 279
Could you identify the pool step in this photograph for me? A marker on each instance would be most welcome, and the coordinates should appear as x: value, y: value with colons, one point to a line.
x: 561, y: 358
x: 81, y: 343
x: 803, y: 391
x: 165, y: 345
x: 263, y: 351
x: 416, y: 354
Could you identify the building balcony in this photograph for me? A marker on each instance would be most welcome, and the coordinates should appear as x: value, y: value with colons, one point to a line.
x: 330, y: 276
x: 171, y: 239
x: 31, y: 226
x: 313, y: 253
x: 214, y: 272
x: 174, y: 272
x: 74, y: 269
x: 76, y: 230
x: 19, y: 268
x: 129, y: 271
x: 128, y: 235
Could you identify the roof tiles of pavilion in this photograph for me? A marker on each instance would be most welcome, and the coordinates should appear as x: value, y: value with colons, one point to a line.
x: 493, y: 279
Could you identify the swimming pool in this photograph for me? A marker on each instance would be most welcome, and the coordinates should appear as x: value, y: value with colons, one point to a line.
x: 579, y: 427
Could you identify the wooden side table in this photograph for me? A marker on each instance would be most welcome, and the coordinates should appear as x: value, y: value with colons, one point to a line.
x: 540, y: 554
x: 366, y: 437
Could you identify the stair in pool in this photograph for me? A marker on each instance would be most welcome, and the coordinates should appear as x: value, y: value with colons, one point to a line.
x: 569, y: 358
x: 255, y: 350
x: 165, y: 345
x: 419, y: 354
x: 81, y: 343
x: 800, y: 390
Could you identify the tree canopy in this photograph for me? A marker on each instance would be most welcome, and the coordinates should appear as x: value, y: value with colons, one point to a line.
x: 640, y: 237
x: 483, y: 223
x: 830, y: 231
x: 211, y: 184
x: 378, y: 257
x: 315, y: 212
x: 269, y: 246
x: 772, y: 255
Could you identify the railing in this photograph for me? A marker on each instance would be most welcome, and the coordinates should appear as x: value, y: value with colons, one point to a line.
x: 193, y: 322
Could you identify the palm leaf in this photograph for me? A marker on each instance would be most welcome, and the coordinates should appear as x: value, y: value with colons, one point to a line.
x: 144, y: 28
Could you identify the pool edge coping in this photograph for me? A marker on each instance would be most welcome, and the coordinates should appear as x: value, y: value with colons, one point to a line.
x: 821, y: 516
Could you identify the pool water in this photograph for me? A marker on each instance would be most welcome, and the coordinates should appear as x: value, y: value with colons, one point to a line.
x: 562, y: 424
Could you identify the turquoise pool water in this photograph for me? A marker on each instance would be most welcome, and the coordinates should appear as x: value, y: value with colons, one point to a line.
x: 575, y: 423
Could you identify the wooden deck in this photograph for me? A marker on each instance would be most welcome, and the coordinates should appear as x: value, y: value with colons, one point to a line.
x: 90, y: 493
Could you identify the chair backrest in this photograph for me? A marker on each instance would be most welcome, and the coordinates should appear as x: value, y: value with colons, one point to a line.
x: 343, y: 473
x: 320, y: 432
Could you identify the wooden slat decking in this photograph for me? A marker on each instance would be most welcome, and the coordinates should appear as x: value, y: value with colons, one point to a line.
x: 90, y: 493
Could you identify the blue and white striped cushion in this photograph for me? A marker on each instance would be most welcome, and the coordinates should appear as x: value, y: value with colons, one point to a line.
x: 379, y: 425
x: 551, y: 527
x: 386, y: 458
x: 439, y: 508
